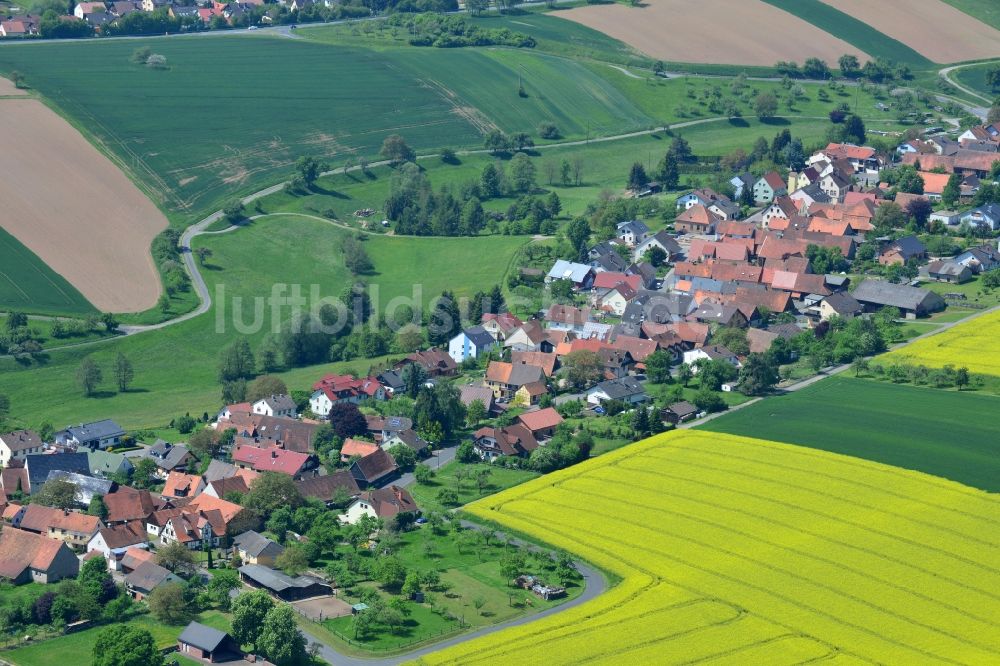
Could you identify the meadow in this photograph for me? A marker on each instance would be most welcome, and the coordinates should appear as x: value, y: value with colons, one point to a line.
x: 974, y: 344
x: 27, y: 283
x: 852, y: 31
x: 731, y: 549
x: 175, y: 368
x: 974, y: 77
x: 905, y: 426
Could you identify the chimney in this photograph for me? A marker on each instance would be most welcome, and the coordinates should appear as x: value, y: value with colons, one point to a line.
x: 274, y: 454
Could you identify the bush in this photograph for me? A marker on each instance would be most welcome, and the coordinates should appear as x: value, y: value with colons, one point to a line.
x: 548, y: 131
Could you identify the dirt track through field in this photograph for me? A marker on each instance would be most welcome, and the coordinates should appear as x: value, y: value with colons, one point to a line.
x: 932, y: 28
x: 747, y: 32
x: 70, y: 205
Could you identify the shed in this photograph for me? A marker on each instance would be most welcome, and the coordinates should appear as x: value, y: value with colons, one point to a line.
x: 206, y: 643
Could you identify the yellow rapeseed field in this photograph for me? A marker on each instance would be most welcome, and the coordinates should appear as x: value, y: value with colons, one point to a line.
x: 741, y: 551
x: 974, y: 344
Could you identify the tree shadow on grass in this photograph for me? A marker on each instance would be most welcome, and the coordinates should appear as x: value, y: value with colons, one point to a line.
x: 738, y: 122
x: 775, y: 121
x: 102, y: 395
x: 316, y: 189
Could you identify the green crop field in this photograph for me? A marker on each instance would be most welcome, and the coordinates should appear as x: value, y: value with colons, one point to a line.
x: 974, y: 77
x: 852, y: 31
x: 26, y: 283
x: 175, y: 368
x: 232, y: 113
x: 944, y: 433
x: 986, y: 11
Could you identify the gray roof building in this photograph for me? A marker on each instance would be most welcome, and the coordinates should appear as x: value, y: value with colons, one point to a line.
x: 620, y: 389
x: 147, y: 577
x: 92, y: 435
x: 875, y: 294
x: 282, y: 585
x: 256, y: 544
x: 207, y: 639
x: 86, y: 486
x: 39, y: 466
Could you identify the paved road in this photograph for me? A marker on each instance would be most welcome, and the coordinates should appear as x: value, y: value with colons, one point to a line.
x: 946, y: 72
x: 438, y: 459
x: 593, y: 582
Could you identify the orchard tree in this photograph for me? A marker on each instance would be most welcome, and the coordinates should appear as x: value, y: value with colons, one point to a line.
x: 88, y: 376
x: 658, y: 366
x: 765, y: 105
x: 280, y: 638
x: 176, y: 557
x: 264, y: 387
x: 250, y: 610
x: 395, y: 150
x: 167, y: 604
x: 124, y: 372
x: 308, y: 168
x: 126, y: 645
x: 272, y: 490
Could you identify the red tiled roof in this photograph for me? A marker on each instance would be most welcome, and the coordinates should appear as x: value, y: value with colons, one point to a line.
x: 180, y: 484
x: 541, y: 419
x: 38, y: 518
x: 20, y: 550
x: 357, y: 447
x: 271, y: 459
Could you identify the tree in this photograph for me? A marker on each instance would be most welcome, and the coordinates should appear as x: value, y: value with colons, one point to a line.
x: 404, y: 456
x: 250, y: 610
x: 466, y: 453
x: 176, y: 557
x: 920, y: 210
x: 854, y: 130
x: 952, y: 190
x: 110, y: 322
x: 475, y: 413
x: 962, y: 378
x: 758, y: 375
x: 849, y: 65
x: 473, y: 217
x: 395, y: 150
x: 709, y: 401
x: 236, y: 362
x: 448, y: 497
x: 271, y: 490
x: 583, y: 368
x: 143, y: 472
x: 264, y: 387
x: 658, y: 366
x: 293, y: 560
x: 280, y: 639
x: 124, y: 373
x: 491, y: 180
x: 993, y: 115
x: 423, y: 474
x: 347, y: 420
x: 96, y: 581
x: 355, y: 256
x: 684, y: 374
x: 185, y: 424
x: 389, y: 572
x: 234, y: 212
x: 88, y: 376
x: 993, y: 77
x: 669, y: 172
x: 97, y: 507
x: 765, y: 105
x: 445, y: 320
x: 56, y: 493
x: 16, y: 320
x: 126, y: 645
x: 522, y: 173
x: 309, y: 168
x: 656, y: 256
x: 497, y: 142
x: 167, y: 604
x: 637, y: 177
x: 814, y: 68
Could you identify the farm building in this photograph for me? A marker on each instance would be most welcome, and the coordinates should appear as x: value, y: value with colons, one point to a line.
x: 206, y: 643
x: 281, y: 585
x: 912, y: 302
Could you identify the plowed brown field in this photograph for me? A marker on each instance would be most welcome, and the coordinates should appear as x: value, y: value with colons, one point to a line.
x: 70, y: 205
x: 713, y: 31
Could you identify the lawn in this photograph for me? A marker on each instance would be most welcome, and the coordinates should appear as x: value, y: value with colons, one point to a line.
x: 77, y: 648
x: 906, y: 426
x: 744, y: 551
x: 240, y: 130
x: 28, y: 284
x: 175, y: 368
x: 500, y: 478
x: 852, y: 31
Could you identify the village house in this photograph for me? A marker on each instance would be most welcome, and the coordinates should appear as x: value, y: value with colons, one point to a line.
x: 987, y: 216
x: 901, y: 251
x: 106, y: 464
x: 580, y: 275
x: 97, y: 435
x: 435, y: 362
x: 382, y: 503
x: 530, y: 337
x: 255, y: 548
x: 696, y: 220
x: 678, y: 412
x: 632, y: 232
x: 235, y: 518
x: 408, y: 438
x: 506, y: 378
x: 840, y: 304
x: 38, y: 467
x: 32, y: 558
x: 542, y: 423
x: 710, y: 353
x: 274, y: 459
x: 626, y: 389
x: 275, y: 405
x: 949, y: 271
x: 373, y: 469
x: 145, y: 578
x: 180, y: 485
x: 126, y: 504
x: 514, y: 440
x: 168, y: 457
x: 114, y: 540
x: 76, y: 529
x: 605, y: 257
x: 661, y: 240
x: 500, y: 325
x: 980, y: 259
x: 767, y: 187
x: 863, y: 159
x: 331, y: 489
x: 220, y: 488
x: 195, y: 529
x: 356, y: 448
x: 382, y: 428
x: 17, y: 444
x: 336, y: 389
x: 471, y: 343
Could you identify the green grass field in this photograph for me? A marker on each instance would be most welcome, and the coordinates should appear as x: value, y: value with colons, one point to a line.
x: 216, y: 123
x: 175, y: 368
x: 77, y: 648
x: 974, y: 77
x: 500, y: 479
x: 852, y: 31
x: 944, y: 433
x: 986, y: 11
x: 27, y: 284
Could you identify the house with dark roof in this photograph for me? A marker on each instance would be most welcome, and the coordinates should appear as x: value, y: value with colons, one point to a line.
x: 949, y: 271
x: 435, y: 362
x: 18, y: 444
x: 96, y: 435
x: 678, y: 412
x: 471, y: 343
x: 255, y: 548
x: 374, y: 469
x: 513, y: 440
x: 632, y: 232
x: 627, y: 389
x: 87, y: 487
x: 39, y: 466
x: 604, y: 257
x: 329, y: 488
x: 382, y: 503
x: 279, y: 584
x: 26, y: 557
x: 408, y: 438
x: 912, y: 302
x: 840, y: 304
x: 106, y: 464
x: 168, y: 457
x: 275, y: 405
x: 207, y: 644
x: 980, y: 259
x: 147, y: 577
x: 228, y: 486
x: 987, y: 216
x: 901, y: 250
